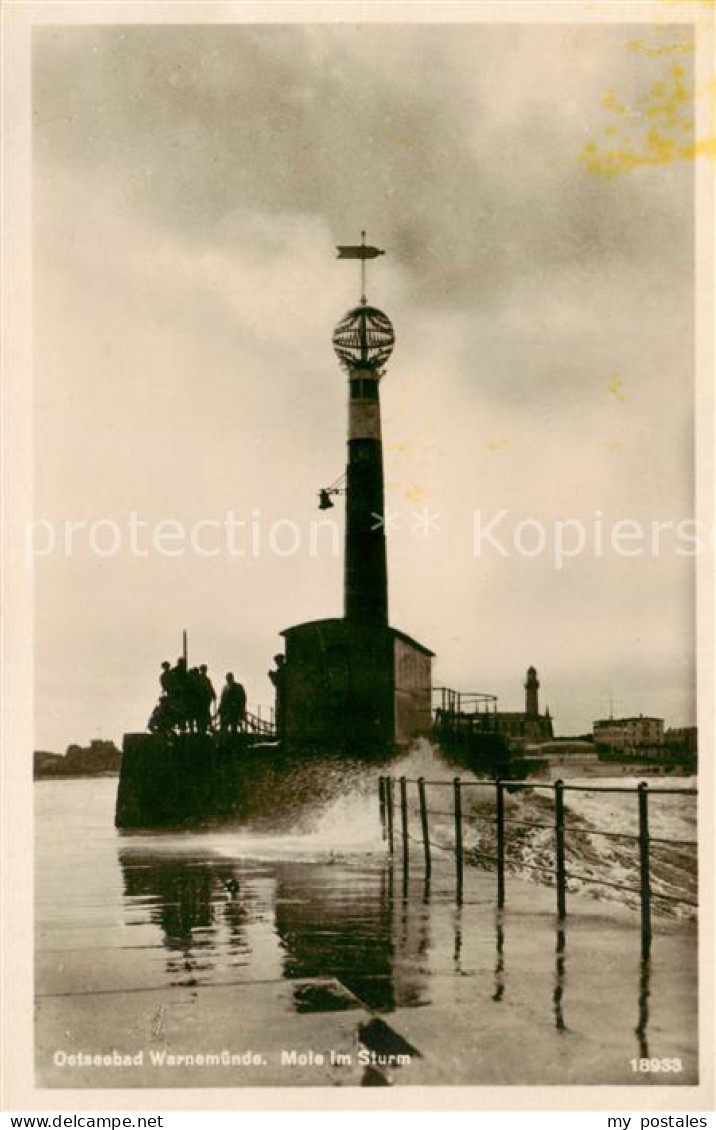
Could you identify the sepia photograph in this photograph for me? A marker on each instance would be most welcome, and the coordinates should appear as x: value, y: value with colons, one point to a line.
x: 370, y: 550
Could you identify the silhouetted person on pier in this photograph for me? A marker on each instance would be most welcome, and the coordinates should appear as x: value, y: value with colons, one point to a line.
x: 179, y: 694
x: 194, y: 699
x: 159, y: 720
x: 232, y: 706
x: 278, y: 678
x: 206, y: 697
x: 163, y: 717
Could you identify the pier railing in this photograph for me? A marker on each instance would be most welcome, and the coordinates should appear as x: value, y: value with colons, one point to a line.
x: 396, y: 800
x: 458, y: 715
x: 450, y: 701
x: 255, y: 724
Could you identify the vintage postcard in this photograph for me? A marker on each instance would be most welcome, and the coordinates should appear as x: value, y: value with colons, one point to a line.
x: 358, y: 653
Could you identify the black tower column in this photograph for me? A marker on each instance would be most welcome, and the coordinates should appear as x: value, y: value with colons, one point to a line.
x: 366, y: 572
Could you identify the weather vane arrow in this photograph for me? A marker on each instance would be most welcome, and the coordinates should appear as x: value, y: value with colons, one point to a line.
x: 360, y: 251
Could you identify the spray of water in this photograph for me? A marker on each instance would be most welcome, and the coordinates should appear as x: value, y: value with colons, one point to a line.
x: 336, y: 817
x: 342, y: 820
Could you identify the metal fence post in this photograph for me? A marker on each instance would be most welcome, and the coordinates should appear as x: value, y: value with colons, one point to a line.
x: 404, y: 818
x: 424, y: 823
x: 381, y: 801
x: 457, y: 808
x: 643, y: 792
x: 389, y: 812
x: 561, y: 874
x: 500, y: 790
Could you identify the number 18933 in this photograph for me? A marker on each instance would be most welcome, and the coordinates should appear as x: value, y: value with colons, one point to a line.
x: 654, y: 1065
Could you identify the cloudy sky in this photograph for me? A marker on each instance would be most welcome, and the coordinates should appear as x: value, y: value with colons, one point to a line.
x: 190, y: 185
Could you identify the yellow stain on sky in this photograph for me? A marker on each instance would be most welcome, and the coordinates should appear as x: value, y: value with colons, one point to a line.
x: 616, y: 388
x: 417, y: 445
x: 690, y: 3
x: 613, y: 445
x: 499, y: 443
x: 411, y: 492
x: 660, y: 151
x: 415, y: 493
x: 657, y: 127
x: 658, y: 49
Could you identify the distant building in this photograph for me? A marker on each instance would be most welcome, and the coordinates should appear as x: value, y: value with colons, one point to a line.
x: 629, y: 733
x: 45, y: 762
x: 682, y: 739
x: 528, y: 725
x: 79, y: 761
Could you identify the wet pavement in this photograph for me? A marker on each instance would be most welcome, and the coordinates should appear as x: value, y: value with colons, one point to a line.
x: 300, y: 967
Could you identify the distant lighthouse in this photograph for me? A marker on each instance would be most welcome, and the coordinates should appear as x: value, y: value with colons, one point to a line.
x: 532, y: 692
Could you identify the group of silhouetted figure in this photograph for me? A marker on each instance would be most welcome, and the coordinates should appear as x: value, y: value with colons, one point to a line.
x: 188, y: 702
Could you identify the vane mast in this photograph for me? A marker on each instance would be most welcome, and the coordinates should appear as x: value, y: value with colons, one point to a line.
x: 363, y: 252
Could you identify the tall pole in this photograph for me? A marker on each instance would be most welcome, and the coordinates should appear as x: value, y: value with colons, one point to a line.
x: 389, y: 800
x: 500, y: 789
x: 185, y: 648
x: 643, y: 793
x: 362, y: 271
x: 425, y: 827
x: 560, y: 857
x: 457, y: 814
x: 404, y: 819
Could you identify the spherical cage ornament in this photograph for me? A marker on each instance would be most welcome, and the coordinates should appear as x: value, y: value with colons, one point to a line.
x: 364, y: 338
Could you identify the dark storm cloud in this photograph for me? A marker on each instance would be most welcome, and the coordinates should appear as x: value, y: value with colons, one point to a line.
x: 413, y: 132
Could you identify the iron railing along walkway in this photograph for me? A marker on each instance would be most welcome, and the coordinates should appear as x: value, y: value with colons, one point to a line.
x: 559, y: 828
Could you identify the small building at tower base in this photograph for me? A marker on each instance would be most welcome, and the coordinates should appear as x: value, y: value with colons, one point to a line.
x: 349, y: 685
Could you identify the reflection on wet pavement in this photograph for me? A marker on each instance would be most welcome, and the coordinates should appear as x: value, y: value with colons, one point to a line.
x: 643, y: 1022
x: 280, y: 938
x: 225, y: 922
x: 559, y: 979
x: 500, y: 963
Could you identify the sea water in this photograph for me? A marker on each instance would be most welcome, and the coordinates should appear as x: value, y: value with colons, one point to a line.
x: 261, y: 933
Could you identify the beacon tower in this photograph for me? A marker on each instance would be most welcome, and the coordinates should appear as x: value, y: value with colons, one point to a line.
x: 356, y: 683
x: 363, y: 341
